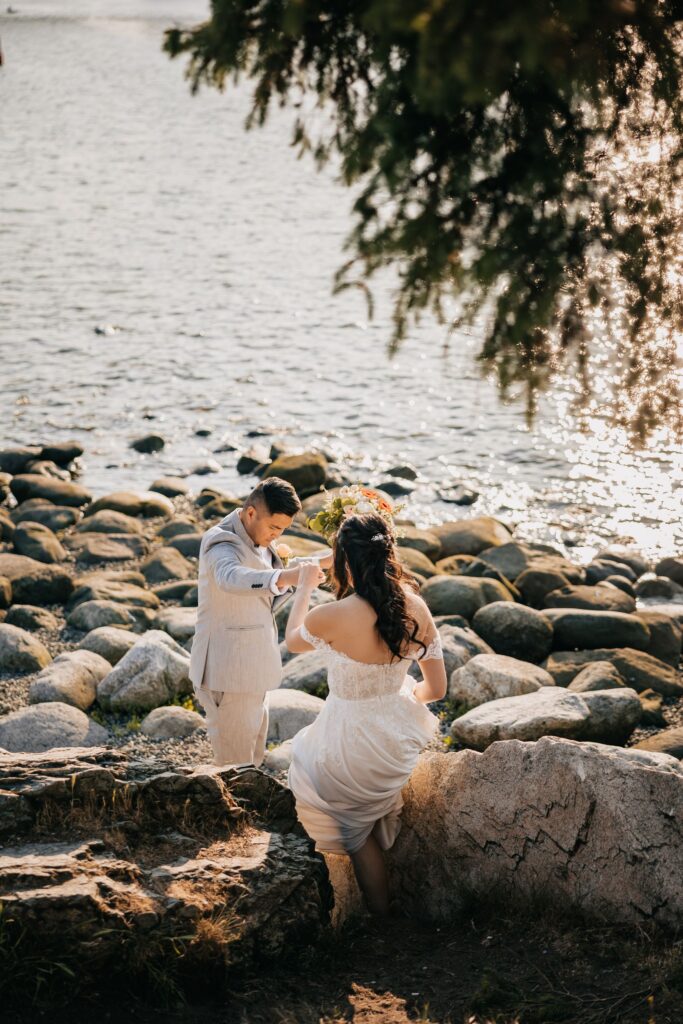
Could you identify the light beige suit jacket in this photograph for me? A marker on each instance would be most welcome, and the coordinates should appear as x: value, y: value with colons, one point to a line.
x: 235, y: 647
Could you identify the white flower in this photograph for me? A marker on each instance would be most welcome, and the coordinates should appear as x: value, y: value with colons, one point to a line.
x: 364, y: 506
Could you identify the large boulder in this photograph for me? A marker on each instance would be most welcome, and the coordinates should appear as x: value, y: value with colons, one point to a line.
x: 89, y: 615
x: 669, y: 741
x: 55, y: 517
x: 60, y: 492
x: 284, y: 609
x: 597, y: 675
x: 27, y: 616
x: 44, y: 726
x: 603, y: 597
x: 582, y: 629
x: 306, y: 472
x: 35, y: 582
x: 514, y: 630
x: 152, y: 673
x: 305, y: 672
x: 71, y: 678
x: 459, y: 645
x: 170, y: 486
x: 548, y: 816
x: 626, y: 556
x: 148, y: 504
x: 461, y: 595
x: 187, y: 544
x: 289, y: 711
x: 92, y: 548
x: 20, y: 652
x: 15, y: 460
x: 5, y: 592
x: 110, y: 642
x: 171, y: 722
x: 639, y: 670
x: 470, y: 536
x: 672, y: 568
x: 166, y: 564
x: 515, y: 558
x: 487, y: 677
x: 424, y: 541
x: 417, y: 562
x: 177, y: 622
x: 141, y: 858
x: 535, y: 584
x: 109, y: 521
x: 37, y: 541
x: 62, y: 452
x: 110, y: 587
x: 605, y: 715
x: 666, y: 636
x: 658, y: 588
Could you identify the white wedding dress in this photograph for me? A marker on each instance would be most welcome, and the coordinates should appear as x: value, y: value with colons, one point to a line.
x: 348, y: 767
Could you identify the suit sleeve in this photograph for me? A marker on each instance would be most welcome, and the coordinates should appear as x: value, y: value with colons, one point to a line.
x: 233, y: 577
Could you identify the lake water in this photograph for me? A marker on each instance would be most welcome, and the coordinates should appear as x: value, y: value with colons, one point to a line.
x: 210, y: 251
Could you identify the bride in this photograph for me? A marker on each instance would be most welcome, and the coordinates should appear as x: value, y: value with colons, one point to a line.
x: 349, y: 766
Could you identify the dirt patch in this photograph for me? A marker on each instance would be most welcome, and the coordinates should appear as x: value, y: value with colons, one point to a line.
x: 481, y: 969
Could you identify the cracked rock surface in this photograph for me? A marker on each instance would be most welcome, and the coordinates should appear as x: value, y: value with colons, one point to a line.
x: 572, y: 824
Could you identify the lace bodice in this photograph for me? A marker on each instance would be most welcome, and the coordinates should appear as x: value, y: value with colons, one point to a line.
x: 349, y: 679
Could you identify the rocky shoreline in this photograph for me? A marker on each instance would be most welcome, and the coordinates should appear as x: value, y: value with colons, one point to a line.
x: 97, y: 606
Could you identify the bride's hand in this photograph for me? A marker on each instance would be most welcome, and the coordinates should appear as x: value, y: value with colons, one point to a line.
x: 310, y: 576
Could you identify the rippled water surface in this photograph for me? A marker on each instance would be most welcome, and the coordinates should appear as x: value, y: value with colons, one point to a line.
x: 210, y: 252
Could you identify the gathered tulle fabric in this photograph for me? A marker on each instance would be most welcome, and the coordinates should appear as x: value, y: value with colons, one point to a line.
x: 349, y: 766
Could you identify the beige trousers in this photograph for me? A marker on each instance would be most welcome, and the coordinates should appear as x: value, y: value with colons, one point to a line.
x: 237, y: 724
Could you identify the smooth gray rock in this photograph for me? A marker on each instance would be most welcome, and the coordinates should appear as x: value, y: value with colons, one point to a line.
x: 461, y: 595
x: 90, y: 615
x: 37, y: 541
x: 278, y: 759
x: 171, y: 486
x: 55, y: 517
x: 672, y: 568
x: 598, y: 675
x: 305, y: 472
x: 666, y: 636
x: 487, y: 677
x: 515, y: 630
x: 44, y: 726
x: 289, y: 711
x: 109, y: 521
x: 595, y: 598
x: 470, y: 536
x: 627, y: 556
x: 660, y: 588
x: 71, y: 678
x: 166, y: 564
x: 171, y: 722
x: 148, y: 504
x: 423, y: 541
x: 305, y: 672
x: 177, y: 622
x: 93, y: 548
x: 582, y: 629
x: 417, y: 562
x: 27, y: 616
x: 110, y: 642
x: 110, y: 587
x: 669, y: 741
x: 638, y: 670
x: 149, y: 444
x: 187, y: 544
x: 606, y: 715
x: 20, y: 652
x: 63, y: 452
x: 35, y: 582
x: 35, y: 485
x: 176, y: 527
x: 152, y: 673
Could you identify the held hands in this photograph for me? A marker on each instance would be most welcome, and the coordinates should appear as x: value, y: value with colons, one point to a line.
x: 310, y: 576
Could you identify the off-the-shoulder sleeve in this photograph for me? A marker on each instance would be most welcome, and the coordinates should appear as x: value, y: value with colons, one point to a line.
x: 434, y: 650
x: 312, y: 639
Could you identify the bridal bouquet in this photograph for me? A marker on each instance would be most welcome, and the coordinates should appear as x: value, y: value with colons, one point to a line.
x: 351, y: 501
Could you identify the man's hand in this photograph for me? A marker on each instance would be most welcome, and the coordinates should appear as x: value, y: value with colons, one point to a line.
x: 295, y: 577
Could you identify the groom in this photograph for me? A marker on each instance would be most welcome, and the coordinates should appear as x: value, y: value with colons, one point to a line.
x: 235, y: 656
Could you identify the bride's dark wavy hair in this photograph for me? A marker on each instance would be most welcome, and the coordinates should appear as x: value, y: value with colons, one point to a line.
x: 371, y: 569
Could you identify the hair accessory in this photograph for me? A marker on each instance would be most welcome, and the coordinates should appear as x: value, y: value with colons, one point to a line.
x: 380, y: 536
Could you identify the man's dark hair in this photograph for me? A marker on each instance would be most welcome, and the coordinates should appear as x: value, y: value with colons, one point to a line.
x: 277, y: 495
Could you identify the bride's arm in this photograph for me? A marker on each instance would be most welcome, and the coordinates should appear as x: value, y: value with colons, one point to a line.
x: 309, y: 577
